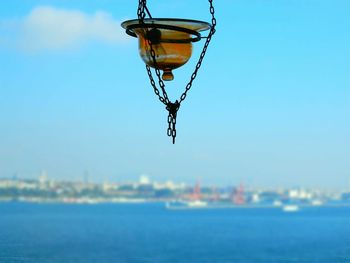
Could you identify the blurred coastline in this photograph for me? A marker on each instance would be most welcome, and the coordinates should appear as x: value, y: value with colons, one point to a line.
x: 175, y: 195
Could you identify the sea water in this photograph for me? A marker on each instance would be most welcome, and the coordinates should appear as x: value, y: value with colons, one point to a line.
x: 63, y: 233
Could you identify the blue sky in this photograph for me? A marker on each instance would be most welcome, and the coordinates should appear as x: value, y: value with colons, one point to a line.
x: 270, y: 105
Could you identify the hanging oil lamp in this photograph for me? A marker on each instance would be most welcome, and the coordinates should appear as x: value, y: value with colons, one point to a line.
x: 166, y: 44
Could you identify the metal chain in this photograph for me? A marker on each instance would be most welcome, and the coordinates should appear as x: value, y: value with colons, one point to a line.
x: 141, y: 14
x: 141, y: 10
x: 156, y: 90
x: 160, y: 81
x: 201, y: 57
x: 171, y: 107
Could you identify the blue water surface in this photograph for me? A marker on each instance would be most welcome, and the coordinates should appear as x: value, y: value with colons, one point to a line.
x: 60, y: 233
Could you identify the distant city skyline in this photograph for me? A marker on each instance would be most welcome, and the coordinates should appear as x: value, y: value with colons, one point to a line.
x: 142, y: 178
x: 175, y: 195
x: 270, y: 105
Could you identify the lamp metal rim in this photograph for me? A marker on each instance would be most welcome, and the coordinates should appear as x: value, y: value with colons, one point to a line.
x: 130, y: 25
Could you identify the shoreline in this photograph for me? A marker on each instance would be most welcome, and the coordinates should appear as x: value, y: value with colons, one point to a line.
x: 167, y: 206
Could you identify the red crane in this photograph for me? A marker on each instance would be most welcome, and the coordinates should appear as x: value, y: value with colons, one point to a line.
x: 196, y: 195
x: 238, y: 195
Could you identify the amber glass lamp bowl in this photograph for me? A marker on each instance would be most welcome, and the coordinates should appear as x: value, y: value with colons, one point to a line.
x: 171, y: 40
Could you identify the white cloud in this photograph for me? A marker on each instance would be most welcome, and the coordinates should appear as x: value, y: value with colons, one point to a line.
x: 46, y: 28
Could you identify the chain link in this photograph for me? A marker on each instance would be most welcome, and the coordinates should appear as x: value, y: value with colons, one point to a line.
x: 153, y: 84
x: 141, y: 10
x: 171, y: 107
x: 201, y: 57
x: 141, y: 14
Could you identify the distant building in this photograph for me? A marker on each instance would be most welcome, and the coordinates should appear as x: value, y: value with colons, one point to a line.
x: 144, y: 179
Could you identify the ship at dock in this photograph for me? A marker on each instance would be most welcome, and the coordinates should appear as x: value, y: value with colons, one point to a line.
x: 195, y: 201
x: 192, y: 201
x: 239, y: 198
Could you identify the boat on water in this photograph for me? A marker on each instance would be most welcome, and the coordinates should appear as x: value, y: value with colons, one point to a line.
x: 197, y: 203
x: 290, y: 208
x: 317, y: 203
x: 186, y: 204
x: 277, y: 203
